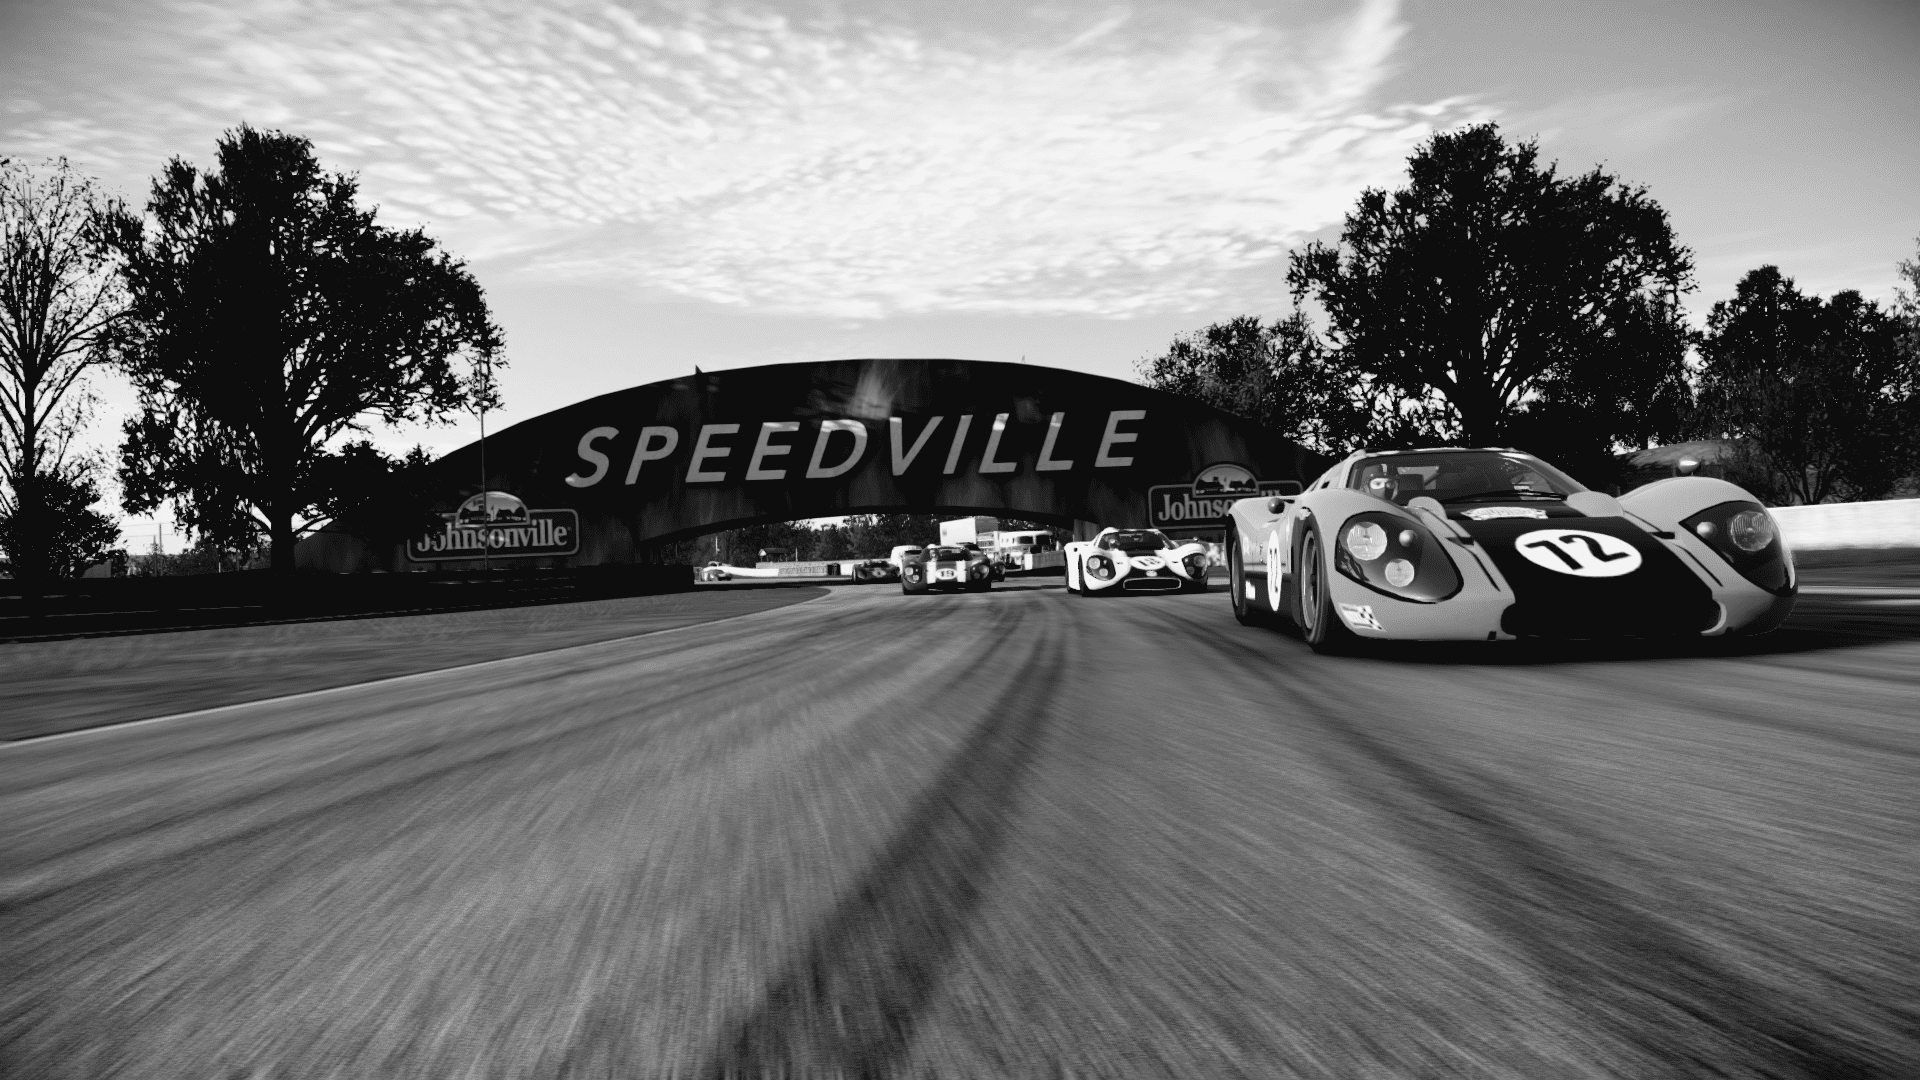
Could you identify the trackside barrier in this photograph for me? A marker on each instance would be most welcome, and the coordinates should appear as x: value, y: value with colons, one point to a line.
x: 1888, y: 523
x: 840, y: 568
x: 119, y: 605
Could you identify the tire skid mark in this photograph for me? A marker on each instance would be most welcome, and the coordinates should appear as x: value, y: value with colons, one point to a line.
x: 756, y: 724
x: 847, y: 1004
x: 1647, y: 975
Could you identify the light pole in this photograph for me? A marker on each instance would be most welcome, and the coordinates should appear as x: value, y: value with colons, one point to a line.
x: 483, y: 393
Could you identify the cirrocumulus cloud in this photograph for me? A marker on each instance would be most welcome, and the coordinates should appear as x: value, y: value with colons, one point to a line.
x: 858, y: 168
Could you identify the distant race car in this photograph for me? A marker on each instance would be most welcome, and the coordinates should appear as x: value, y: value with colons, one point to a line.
x: 1495, y: 544
x: 875, y: 572
x: 945, y: 567
x: 713, y: 571
x: 995, y: 570
x: 1135, y: 560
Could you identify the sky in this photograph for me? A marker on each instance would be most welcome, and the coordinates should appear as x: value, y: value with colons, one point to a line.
x: 646, y: 187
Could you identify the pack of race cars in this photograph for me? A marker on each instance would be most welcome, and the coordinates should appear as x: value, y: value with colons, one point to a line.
x: 1445, y: 544
x: 1455, y: 544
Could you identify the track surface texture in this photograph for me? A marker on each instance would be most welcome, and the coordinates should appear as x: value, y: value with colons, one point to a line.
x: 1005, y: 835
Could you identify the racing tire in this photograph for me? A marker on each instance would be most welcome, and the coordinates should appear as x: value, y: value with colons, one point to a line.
x: 1245, y: 612
x: 1319, y: 623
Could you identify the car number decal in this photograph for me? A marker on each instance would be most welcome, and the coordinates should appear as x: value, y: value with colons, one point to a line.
x: 1275, y: 568
x: 1578, y: 552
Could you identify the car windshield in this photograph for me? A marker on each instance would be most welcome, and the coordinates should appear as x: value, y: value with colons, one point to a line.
x: 946, y: 553
x: 1461, y: 476
x: 1136, y: 538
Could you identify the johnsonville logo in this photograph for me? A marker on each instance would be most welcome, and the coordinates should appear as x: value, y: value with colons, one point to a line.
x: 499, y: 526
x: 1207, y: 500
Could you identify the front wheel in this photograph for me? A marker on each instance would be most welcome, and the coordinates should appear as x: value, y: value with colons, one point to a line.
x: 1320, y: 624
x: 1246, y: 612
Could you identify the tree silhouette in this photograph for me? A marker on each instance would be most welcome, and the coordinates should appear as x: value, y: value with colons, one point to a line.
x: 271, y: 317
x: 1278, y: 375
x: 1492, y: 298
x: 59, y: 295
x: 1825, y: 389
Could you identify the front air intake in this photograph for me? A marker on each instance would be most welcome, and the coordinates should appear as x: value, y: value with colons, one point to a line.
x: 1151, y: 584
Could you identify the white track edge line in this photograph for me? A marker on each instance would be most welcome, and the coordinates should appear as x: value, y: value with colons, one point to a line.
x: 122, y: 725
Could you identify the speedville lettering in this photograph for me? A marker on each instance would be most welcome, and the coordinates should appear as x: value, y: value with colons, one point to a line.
x: 838, y: 446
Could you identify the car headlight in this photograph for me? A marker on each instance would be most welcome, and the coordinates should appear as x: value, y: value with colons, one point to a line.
x: 1196, y: 565
x: 1101, y: 567
x: 1744, y: 535
x: 1391, y: 555
x: 911, y: 573
x: 1366, y: 540
x: 1751, y: 530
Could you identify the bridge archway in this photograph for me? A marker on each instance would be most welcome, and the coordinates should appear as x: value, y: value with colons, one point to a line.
x: 603, y: 480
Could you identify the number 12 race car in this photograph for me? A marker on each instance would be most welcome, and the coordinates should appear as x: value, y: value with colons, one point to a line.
x: 1135, y: 560
x: 1483, y: 545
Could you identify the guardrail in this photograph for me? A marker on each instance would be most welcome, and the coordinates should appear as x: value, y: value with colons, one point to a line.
x: 1886, y: 523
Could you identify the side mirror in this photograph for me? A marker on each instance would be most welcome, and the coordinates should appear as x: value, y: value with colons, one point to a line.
x: 1276, y: 505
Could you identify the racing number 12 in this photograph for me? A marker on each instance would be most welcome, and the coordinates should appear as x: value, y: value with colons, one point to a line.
x: 1593, y: 548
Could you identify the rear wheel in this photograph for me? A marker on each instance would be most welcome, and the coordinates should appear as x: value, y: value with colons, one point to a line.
x: 1320, y: 624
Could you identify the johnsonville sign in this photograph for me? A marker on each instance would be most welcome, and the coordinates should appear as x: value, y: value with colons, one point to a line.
x: 1205, y: 502
x: 714, y: 450
x: 497, y: 525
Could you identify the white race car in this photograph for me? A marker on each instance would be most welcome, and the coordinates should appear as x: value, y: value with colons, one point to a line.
x: 1494, y: 544
x: 1135, y: 560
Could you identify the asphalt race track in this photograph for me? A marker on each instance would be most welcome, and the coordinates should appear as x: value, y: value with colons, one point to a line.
x: 1015, y: 834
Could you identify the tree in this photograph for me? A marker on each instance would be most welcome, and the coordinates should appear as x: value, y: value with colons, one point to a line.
x: 1277, y: 375
x: 59, y: 295
x: 1823, y: 388
x: 1491, y: 299
x: 271, y: 317
x: 62, y: 534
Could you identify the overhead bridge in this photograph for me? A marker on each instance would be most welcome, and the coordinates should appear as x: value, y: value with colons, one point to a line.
x: 604, y: 480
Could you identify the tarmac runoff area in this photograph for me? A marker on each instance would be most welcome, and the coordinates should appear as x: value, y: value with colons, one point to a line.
x: 1008, y: 834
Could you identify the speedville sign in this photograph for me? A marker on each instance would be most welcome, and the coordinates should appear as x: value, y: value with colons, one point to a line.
x: 719, y: 449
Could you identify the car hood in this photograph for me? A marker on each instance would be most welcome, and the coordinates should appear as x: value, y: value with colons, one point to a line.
x: 1575, y: 588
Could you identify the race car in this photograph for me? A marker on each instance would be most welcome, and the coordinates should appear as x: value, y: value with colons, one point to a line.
x: 1135, y: 560
x: 995, y: 571
x: 1495, y: 544
x: 713, y: 571
x: 946, y: 567
x: 875, y: 572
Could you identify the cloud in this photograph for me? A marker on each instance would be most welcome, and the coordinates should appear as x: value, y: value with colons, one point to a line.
x: 853, y: 167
